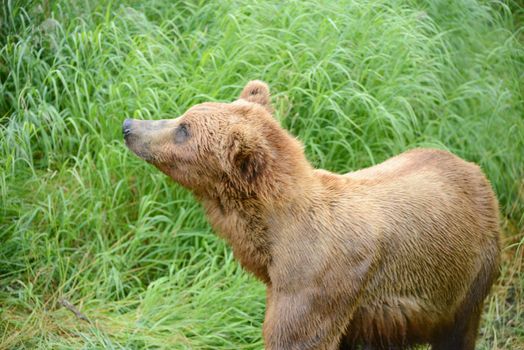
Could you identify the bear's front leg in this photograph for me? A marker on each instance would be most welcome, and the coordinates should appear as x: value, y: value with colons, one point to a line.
x: 307, y: 319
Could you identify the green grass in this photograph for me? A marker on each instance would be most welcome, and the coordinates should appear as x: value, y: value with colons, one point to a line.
x: 83, y: 220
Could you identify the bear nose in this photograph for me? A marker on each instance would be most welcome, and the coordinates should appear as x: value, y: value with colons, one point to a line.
x: 126, y: 127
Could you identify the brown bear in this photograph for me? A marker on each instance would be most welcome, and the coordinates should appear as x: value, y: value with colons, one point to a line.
x: 398, y: 254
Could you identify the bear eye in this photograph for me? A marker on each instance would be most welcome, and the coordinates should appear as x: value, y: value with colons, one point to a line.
x: 182, y: 133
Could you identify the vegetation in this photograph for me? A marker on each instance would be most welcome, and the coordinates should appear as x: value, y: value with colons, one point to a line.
x: 100, y: 250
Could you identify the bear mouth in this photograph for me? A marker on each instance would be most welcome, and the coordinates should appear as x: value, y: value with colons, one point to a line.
x: 142, y: 150
x: 145, y: 156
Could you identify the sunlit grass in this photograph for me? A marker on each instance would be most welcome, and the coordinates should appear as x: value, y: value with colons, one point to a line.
x: 82, y: 219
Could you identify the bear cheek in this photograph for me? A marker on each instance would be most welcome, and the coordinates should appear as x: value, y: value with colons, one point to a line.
x: 170, y: 170
x: 177, y: 172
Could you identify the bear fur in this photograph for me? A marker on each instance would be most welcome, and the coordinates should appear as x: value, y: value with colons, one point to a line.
x: 398, y: 254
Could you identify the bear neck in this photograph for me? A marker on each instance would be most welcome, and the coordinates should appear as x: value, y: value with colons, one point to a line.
x: 243, y: 219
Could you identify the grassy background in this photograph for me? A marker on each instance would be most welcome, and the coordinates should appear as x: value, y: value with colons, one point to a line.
x: 84, y: 222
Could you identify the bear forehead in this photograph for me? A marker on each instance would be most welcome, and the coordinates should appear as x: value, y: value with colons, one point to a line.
x: 229, y: 113
x: 208, y: 107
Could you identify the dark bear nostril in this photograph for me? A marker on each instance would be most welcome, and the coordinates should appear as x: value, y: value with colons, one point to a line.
x: 126, y: 127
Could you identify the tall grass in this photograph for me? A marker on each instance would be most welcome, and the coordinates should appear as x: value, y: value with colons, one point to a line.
x: 99, y: 250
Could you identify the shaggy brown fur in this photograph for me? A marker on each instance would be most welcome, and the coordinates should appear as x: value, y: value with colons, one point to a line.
x: 390, y: 256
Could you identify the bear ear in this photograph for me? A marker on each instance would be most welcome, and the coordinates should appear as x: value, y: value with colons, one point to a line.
x: 246, y: 153
x: 257, y: 91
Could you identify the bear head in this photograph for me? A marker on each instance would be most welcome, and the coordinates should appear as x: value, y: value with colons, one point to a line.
x: 235, y: 150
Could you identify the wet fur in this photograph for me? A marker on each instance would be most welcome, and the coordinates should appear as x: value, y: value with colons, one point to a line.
x: 386, y: 257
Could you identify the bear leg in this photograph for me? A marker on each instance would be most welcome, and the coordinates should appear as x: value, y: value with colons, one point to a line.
x: 302, y: 321
x: 463, y: 333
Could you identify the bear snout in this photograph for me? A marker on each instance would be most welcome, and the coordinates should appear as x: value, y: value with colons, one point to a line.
x: 126, y: 127
x: 147, y: 138
x: 132, y: 137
